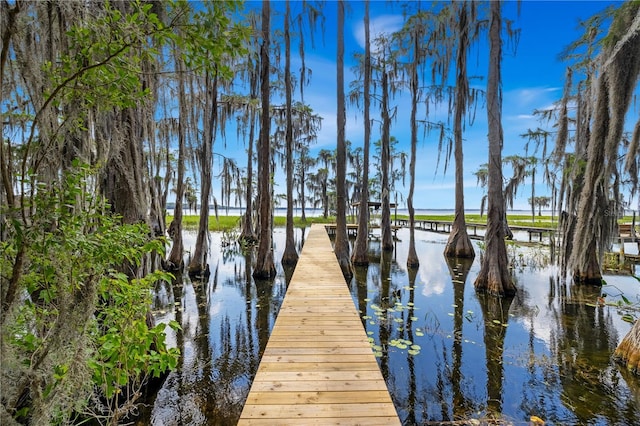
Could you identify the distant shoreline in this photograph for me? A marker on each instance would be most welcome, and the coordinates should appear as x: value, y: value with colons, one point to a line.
x: 228, y: 222
x: 311, y: 212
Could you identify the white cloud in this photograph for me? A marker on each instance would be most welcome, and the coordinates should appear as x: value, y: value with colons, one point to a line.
x: 525, y: 100
x: 384, y: 24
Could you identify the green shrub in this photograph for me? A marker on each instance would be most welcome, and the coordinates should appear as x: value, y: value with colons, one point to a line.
x: 75, y: 340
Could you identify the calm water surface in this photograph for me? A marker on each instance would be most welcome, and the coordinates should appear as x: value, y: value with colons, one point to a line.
x: 446, y: 352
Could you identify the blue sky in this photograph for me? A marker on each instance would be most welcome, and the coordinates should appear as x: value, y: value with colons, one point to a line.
x: 532, y: 78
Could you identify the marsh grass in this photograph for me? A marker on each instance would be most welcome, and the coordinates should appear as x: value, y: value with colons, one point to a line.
x: 226, y: 223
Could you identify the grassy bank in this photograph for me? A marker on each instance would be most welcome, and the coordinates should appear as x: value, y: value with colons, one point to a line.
x: 543, y: 221
x: 223, y: 223
x: 519, y: 220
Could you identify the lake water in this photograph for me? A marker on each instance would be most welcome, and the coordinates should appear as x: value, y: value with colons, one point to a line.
x: 447, y: 353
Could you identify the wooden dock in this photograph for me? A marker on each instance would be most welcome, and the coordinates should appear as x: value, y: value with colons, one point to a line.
x: 352, y: 229
x: 444, y: 226
x: 318, y: 367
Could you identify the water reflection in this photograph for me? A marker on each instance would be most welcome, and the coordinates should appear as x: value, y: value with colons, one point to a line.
x: 447, y: 353
x: 226, y: 320
x: 545, y: 353
x: 458, y: 270
x: 495, y: 312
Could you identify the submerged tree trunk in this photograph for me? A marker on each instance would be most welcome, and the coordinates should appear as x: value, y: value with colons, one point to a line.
x: 265, y: 266
x: 360, y: 255
x: 628, y: 351
x: 342, y: 242
x: 494, y: 276
x: 459, y: 243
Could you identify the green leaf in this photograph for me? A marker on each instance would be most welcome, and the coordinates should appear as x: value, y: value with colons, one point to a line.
x: 174, y: 325
x: 60, y: 371
x: 628, y: 318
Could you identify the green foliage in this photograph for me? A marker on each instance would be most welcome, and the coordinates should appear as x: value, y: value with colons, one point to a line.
x: 227, y: 223
x: 79, y: 315
x: 104, y: 63
x: 128, y: 351
x: 209, y: 38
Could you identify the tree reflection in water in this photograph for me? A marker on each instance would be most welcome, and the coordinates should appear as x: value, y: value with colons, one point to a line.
x: 226, y: 321
x: 494, y: 359
x: 447, y: 353
x: 495, y: 311
x: 459, y: 270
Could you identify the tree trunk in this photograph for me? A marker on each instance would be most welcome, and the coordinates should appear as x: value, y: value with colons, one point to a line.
x: 341, y: 247
x: 264, y: 266
x: 175, y: 261
x: 199, y: 265
x: 304, y: 160
x: 619, y: 71
x: 123, y: 180
x: 628, y: 351
x: 459, y: 244
x: 325, y: 195
x: 385, y: 219
x: 494, y: 276
x: 412, y: 258
x: 588, y: 272
x: 290, y: 255
x: 360, y: 255
x: 248, y: 235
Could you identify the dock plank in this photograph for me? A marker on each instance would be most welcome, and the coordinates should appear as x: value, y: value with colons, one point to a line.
x: 318, y: 367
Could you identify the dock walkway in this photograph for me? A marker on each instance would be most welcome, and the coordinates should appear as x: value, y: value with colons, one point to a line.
x: 444, y: 226
x: 318, y: 367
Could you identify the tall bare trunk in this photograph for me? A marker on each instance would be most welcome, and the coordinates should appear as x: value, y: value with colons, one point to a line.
x: 412, y: 258
x: 264, y: 266
x: 494, y: 276
x: 360, y: 255
x: 342, y: 241
x: 248, y: 235
x: 459, y: 243
x: 198, y: 264
x: 385, y: 208
x: 175, y: 260
x: 290, y: 255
